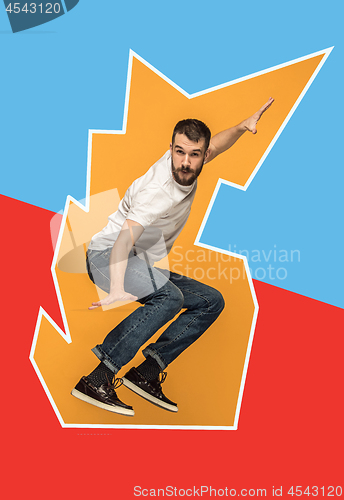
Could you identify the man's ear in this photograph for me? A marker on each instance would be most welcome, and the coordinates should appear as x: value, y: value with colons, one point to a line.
x: 210, y: 154
x: 207, y: 153
x: 171, y: 147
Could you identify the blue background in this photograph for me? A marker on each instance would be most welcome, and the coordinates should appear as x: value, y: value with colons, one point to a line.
x: 68, y: 76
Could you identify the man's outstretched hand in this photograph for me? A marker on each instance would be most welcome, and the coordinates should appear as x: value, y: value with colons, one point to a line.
x: 113, y: 297
x: 251, y: 123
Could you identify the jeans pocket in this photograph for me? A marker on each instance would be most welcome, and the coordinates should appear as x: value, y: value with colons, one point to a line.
x: 100, y: 276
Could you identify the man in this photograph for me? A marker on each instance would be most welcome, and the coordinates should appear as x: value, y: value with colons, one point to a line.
x: 120, y: 260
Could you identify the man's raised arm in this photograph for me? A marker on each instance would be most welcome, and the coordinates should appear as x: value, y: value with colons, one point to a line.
x: 225, y: 139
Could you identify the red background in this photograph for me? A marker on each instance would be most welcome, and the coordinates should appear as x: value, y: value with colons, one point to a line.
x: 290, y: 426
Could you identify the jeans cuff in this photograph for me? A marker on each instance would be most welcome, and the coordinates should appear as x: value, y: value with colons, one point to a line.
x: 102, y: 356
x: 153, y: 354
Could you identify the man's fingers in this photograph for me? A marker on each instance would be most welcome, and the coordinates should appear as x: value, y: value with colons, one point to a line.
x: 257, y: 116
x: 94, y: 305
x: 106, y: 302
x: 266, y: 105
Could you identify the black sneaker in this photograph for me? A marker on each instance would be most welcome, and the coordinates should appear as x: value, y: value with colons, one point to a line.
x: 149, y: 390
x: 104, y: 396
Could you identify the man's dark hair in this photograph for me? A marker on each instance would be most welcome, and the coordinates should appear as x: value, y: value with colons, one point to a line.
x: 194, y: 131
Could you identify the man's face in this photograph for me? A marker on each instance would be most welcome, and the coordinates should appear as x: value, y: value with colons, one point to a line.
x: 187, y: 159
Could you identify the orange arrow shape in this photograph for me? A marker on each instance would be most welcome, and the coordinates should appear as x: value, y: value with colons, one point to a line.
x: 216, y: 364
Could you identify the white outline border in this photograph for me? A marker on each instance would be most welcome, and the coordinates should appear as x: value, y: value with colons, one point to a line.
x: 66, y: 335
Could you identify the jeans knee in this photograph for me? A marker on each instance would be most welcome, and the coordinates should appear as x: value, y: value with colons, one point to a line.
x: 217, y: 301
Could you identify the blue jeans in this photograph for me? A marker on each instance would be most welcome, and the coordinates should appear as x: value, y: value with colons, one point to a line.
x: 163, y: 295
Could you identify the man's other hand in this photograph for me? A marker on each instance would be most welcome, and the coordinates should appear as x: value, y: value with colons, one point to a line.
x: 113, y: 297
x: 251, y: 123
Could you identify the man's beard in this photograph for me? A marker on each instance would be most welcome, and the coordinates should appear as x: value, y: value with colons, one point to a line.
x: 183, y: 181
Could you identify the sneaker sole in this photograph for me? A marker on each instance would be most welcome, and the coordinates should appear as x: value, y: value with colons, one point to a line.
x: 148, y: 397
x: 99, y: 404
